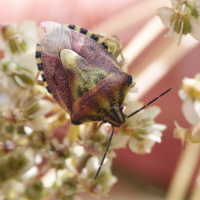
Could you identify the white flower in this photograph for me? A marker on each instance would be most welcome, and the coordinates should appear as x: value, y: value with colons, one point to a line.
x: 142, y: 128
x: 18, y: 38
x: 17, y: 75
x: 186, y: 135
x: 104, y: 181
x: 141, y: 146
x: 182, y: 18
x: 190, y: 94
x: 181, y: 133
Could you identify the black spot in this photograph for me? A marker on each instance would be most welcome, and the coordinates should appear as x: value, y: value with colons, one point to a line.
x: 96, y: 81
x: 110, y: 54
x: 104, y: 45
x: 121, y: 107
x: 83, y: 31
x: 38, y: 54
x: 48, y: 89
x: 94, y: 37
x: 76, y: 122
x: 129, y: 79
x: 40, y: 66
x: 79, y: 92
x: 44, y: 77
x: 39, y: 45
x: 113, y: 111
x: 85, y: 90
x: 100, y: 76
x: 72, y: 26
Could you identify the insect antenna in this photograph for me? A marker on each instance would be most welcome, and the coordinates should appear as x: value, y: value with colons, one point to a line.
x: 150, y: 102
x: 104, y: 154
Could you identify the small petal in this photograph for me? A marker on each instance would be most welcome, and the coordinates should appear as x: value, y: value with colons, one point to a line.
x: 141, y: 146
x: 196, y: 134
x: 49, y: 178
x: 165, y: 15
x: 197, y: 107
x: 182, y: 94
x: 28, y: 28
x: 132, y: 106
x: 153, y: 136
x: 38, y: 124
x: 92, y: 164
x: 195, y: 28
x: 112, y: 180
x: 151, y: 112
x: 175, y: 3
x: 27, y: 61
x: 181, y: 133
x: 197, y: 77
x: 191, y: 87
x: 119, y: 141
x: 4, y: 98
x: 189, y: 112
x: 129, y: 97
x: 45, y: 107
x: 160, y: 127
x: 171, y: 32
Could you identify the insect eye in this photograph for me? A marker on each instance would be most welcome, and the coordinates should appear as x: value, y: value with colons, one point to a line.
x: 121, y: 107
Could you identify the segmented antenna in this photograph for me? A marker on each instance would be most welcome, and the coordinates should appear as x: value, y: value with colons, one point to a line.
x: 149, y: 103
x: 104, y: 154
x: 128, y: 117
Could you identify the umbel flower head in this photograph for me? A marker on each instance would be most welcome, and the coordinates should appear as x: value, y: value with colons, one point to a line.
x: 182, y: 18
x: 18, y: 38
x: 190, y: 94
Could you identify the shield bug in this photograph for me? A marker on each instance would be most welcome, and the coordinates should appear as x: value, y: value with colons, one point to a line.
x: 81, y: 72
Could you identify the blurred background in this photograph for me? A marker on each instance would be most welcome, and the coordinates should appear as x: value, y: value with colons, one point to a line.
x: 155, y: 61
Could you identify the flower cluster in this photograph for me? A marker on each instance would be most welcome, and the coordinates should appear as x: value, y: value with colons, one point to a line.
x: 190, y: 94
x: 42, y: 153
x: 182, y: 18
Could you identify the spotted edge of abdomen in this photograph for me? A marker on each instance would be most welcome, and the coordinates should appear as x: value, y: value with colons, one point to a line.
x: 89, y: 34
x: 40, y: 68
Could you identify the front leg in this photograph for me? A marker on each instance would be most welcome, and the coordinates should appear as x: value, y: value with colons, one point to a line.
x: 38, y: 82
x: 115, y: 46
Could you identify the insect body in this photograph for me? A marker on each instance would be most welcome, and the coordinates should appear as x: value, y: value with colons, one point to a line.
x: 82, y: 74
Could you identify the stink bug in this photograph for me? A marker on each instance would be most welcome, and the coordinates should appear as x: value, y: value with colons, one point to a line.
x: 82, y: 74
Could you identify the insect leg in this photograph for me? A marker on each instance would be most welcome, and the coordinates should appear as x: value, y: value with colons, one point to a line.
x: 107, y: 148
x: 38, y: 82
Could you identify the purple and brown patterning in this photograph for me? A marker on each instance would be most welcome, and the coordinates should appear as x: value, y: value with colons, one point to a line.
x: 79, y: 70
